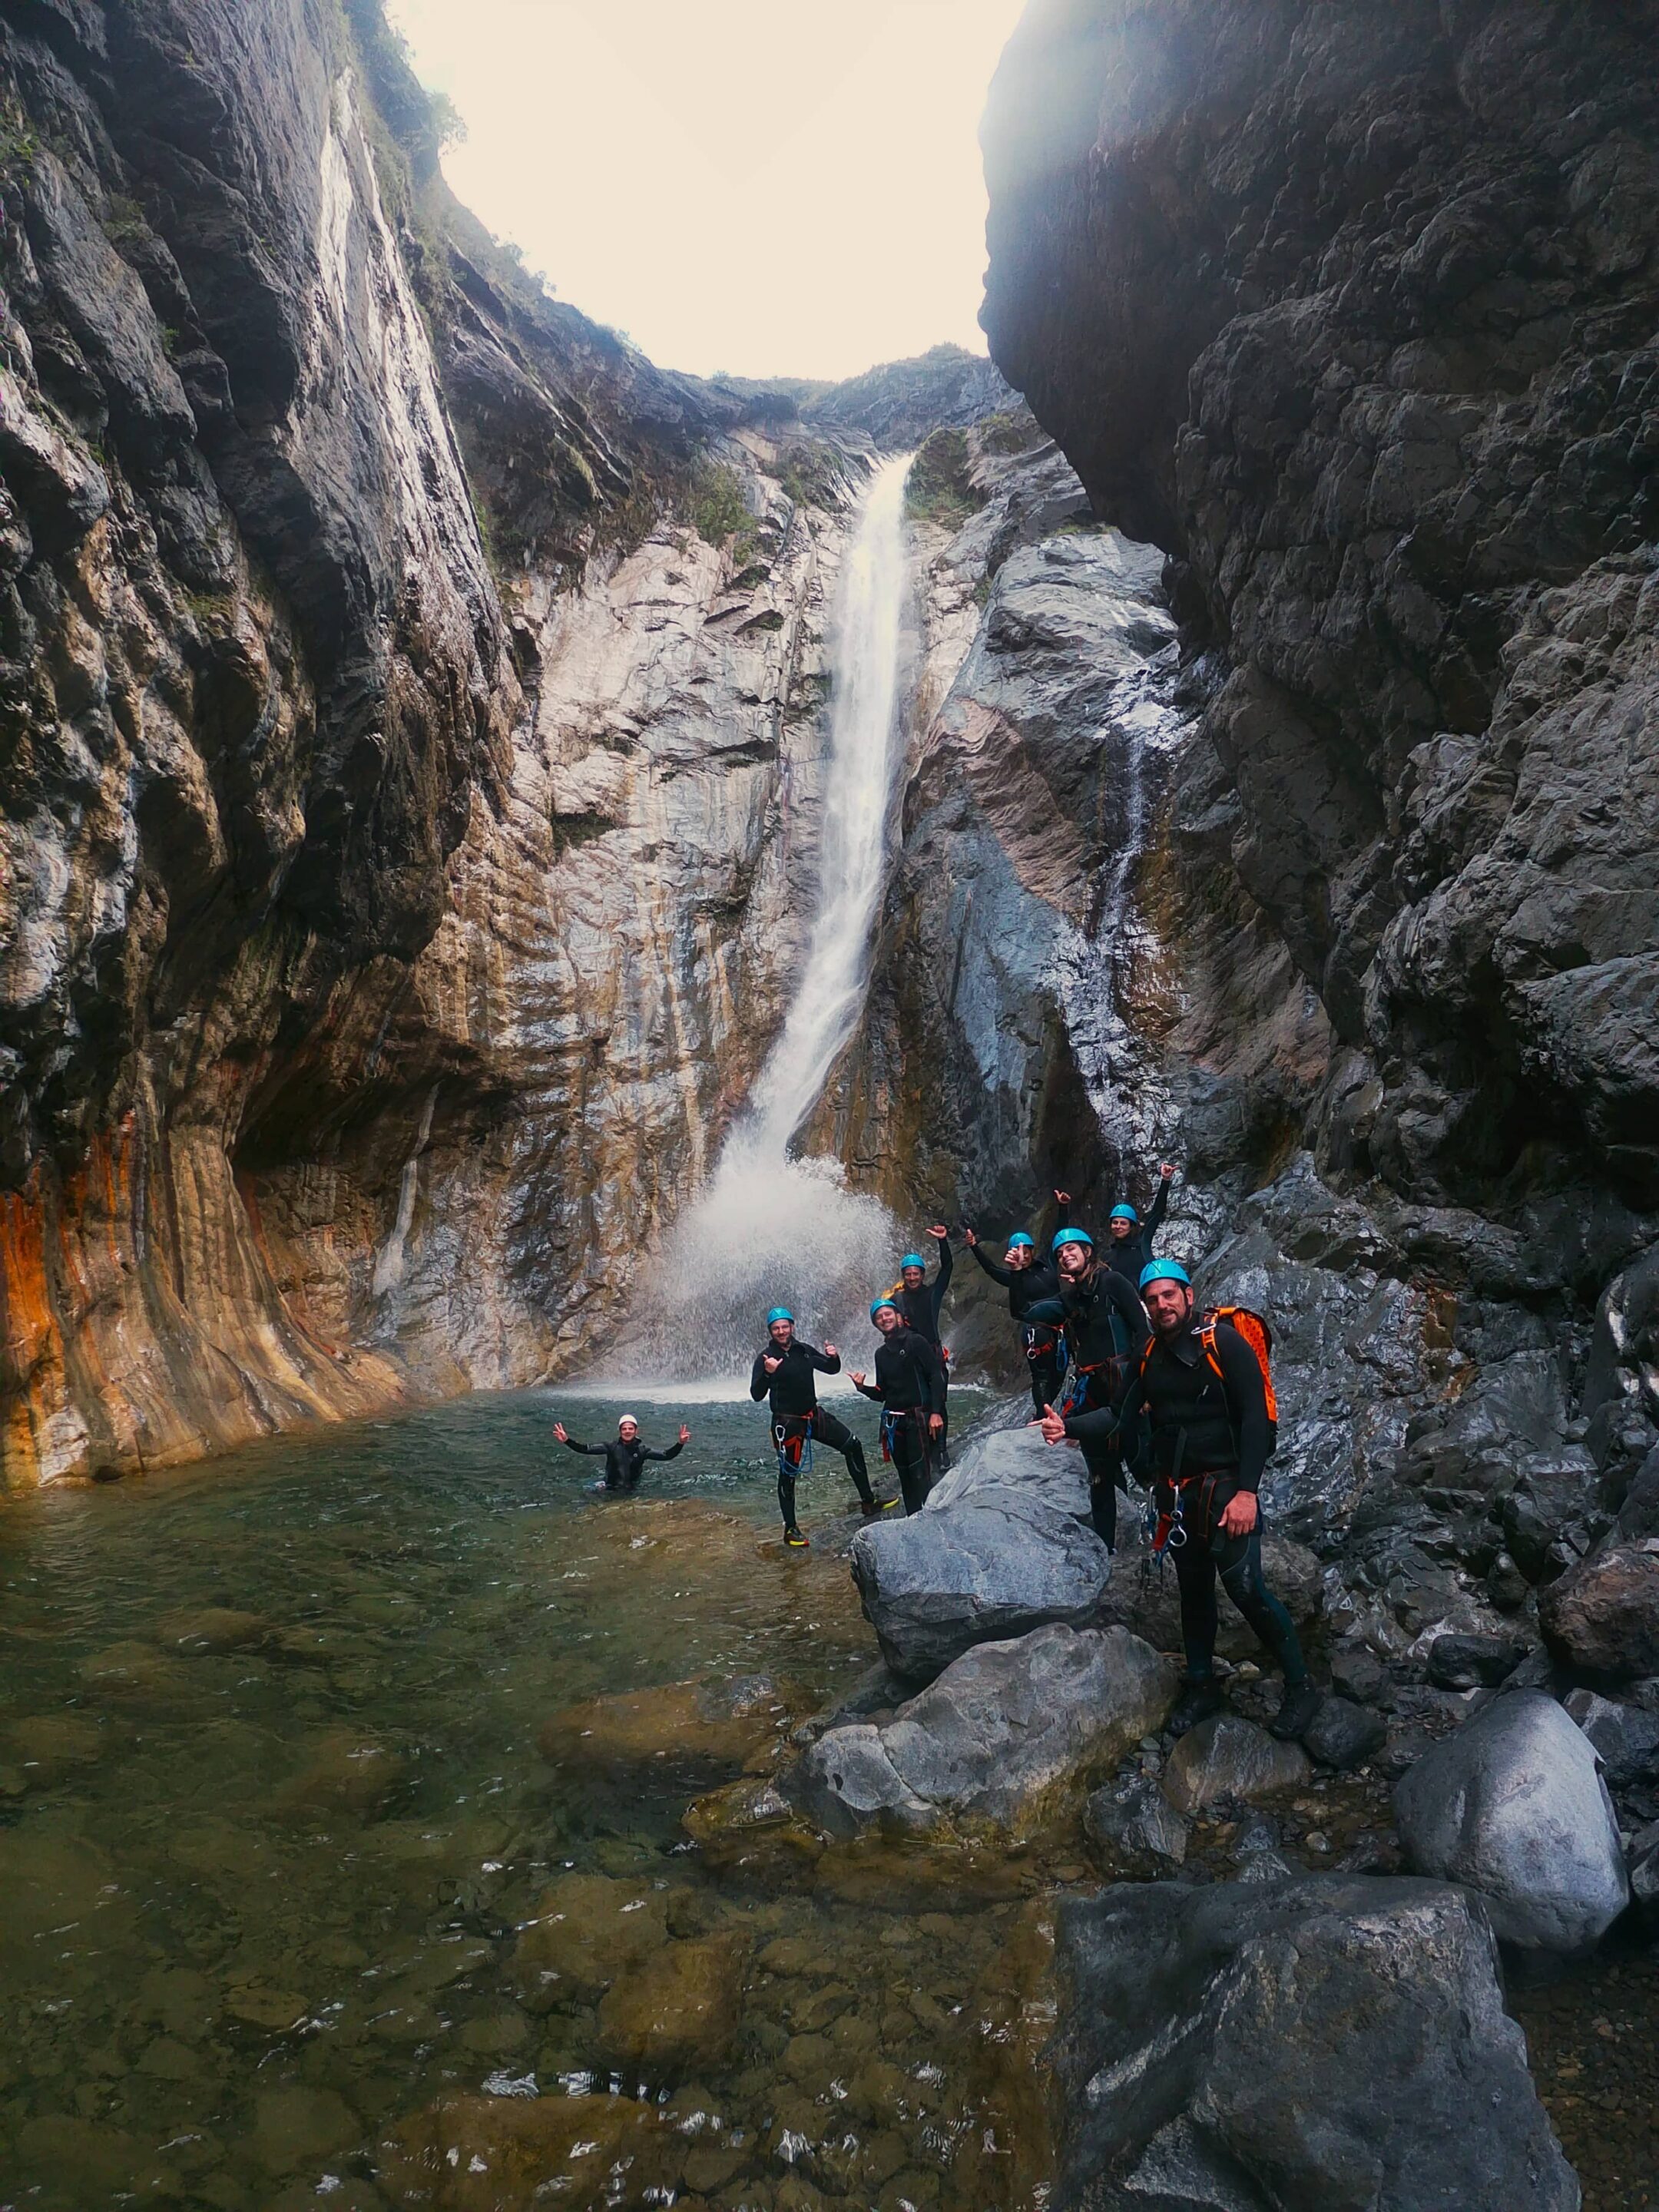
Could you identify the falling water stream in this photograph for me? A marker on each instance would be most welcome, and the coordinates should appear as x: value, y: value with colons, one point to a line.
x: 773, y: 1228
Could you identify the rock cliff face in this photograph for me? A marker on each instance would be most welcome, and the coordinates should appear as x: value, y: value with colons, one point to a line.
x: 1354, y: 312
x: 1324, y: 863
x: 412, y: 725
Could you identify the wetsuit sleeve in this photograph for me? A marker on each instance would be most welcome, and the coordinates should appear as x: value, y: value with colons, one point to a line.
x: 946, y: 1261
x: 1063, y: 1218
x: 1248, y: 1399
x: 587, y: 1452
x: 997, y: 1275
x: 760, y: 1381
x: 673, y: 1452
x: 1156, y: 1211
x: 823, y: 1362
x: 932, y: 1374
x: 870, y: 1390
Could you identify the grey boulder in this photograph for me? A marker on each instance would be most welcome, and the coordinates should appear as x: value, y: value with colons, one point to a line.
x: 1017, y: 1459
x: 1135, y: 1828
x: 1229, y: 1760
x: 1343, y: 1734
x: 1002, y: 1736
x: 1329, y: 2040
x: 1514, y: 1807
x: 993, y: 1563
x: 1604, y: 1614
x: 1625, y: 1738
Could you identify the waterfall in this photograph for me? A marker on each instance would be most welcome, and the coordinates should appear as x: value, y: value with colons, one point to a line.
x: 772, y: 1229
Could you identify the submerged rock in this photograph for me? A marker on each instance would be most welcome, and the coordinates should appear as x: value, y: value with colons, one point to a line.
x: 588, y: 1928
x: 698, y: 1728
x: 995, y: 1563
x: 480, y: 2154
x: 1328, y: 2041
x: 1514, y: 1807
x: 1004, y: 1731
x: 679, y: 2010
x: 1229, y: 1758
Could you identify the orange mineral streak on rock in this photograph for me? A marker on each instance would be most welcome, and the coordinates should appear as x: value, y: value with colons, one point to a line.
x: 142, y: 1321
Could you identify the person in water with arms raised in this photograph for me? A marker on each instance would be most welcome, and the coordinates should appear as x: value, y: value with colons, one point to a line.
x: 783, y: 1372
x: 1029, y: 1277
x: 909, y: 1387
x: 919, y: 1303
x: 1204, y: 1383
x: 625, y: 1461
x: 1129, y: 1239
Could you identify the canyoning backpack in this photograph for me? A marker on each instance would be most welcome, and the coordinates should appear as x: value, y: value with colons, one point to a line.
x: 1250, y: 1325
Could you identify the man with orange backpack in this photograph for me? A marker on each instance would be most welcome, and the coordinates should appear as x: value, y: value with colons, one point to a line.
x: 1204, y: 1383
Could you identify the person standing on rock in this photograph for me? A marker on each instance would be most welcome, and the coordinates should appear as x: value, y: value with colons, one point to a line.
x: 909, y: 1387
x: 784, y: 1370
x: 1204, y: 1389
x: 1129, y: 1240
x: 1027, y: 1279
x: 919, y: 1304
x: 1104, y: 1321
x: 625, y: 1461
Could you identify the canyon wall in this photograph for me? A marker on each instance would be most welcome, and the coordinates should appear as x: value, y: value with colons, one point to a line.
x: 1296, y: 816
x: 413, y: 722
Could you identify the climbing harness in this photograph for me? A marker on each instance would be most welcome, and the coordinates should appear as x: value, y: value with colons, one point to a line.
x: 795, y: 1451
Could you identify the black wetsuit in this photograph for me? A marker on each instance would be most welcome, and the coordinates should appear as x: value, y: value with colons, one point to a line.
x: 623, y: 1463
x: 1042, y: 1343
x: 1131, y: 1255
x: 797, y: 1418
x: 920, y: 1310
x: 1210, y: 1440
x: 910, y: 1385
x: 1105, y: 1324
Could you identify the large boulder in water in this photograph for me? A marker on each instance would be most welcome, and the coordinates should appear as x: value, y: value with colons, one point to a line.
x: 1514, y: 1807
x: 994, y: 1561
x: 1332, y: 2041
x: 1004, y: 1735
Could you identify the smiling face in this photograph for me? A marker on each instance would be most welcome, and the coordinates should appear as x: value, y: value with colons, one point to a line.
x: 1168, y: 1304
x: 782, y: 1333
x: 887, y: 1319
x: 628, y: 1430
x: 1121, y: 1228
x: 1074, y: 1260
x: 912, y: 1278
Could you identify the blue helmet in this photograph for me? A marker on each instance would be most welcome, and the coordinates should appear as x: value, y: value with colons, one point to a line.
x: 876, y: 1305
x: 1123, y: 1213
x: 912, y: 1260
x: 1020, y: 1237
x: 779, y: 1313
x: 1071, y: 1237
x: 1166, y: 1271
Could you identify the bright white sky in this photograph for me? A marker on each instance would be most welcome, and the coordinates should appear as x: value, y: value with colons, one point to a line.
x: 772, y: 187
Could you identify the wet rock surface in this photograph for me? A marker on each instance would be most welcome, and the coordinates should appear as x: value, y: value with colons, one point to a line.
x: 1005, y: 1732
x: 994, y: 1563
x: 1514, y: 1806
x: 1228, y: 1758
x: 1327, y: 2040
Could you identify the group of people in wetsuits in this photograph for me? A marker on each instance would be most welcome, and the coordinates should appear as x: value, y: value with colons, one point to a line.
x: 1123, y: 1363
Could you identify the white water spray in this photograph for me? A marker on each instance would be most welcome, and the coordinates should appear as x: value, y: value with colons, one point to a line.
x: 773, y: 1229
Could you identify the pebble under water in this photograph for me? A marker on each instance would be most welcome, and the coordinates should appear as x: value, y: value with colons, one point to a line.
x: 317, y: 1860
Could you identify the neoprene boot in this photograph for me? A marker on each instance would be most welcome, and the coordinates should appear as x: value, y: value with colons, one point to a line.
x: 1295, y: 1712
x: 1197, y: 1701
